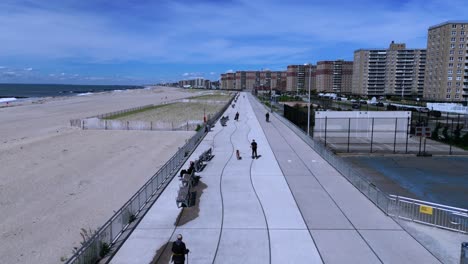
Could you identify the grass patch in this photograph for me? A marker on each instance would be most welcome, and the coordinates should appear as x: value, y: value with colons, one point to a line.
x: 220, y: 97
x: 120, y: 116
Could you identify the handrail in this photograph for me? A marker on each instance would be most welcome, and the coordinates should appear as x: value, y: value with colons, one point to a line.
x: 91, y: 250
x: 433, y: 214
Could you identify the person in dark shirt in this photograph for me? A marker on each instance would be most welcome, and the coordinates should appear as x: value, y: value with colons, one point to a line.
x: 237, y: 116
x: 179, y: 250
x: 253, y: 145
x: 190, y: 169
x: 267, y: 116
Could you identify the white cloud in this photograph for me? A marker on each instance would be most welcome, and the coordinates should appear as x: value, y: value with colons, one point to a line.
x: 230, y: 71
x: 10, y: 74
x: 244, y: 32
x: 28, y: 69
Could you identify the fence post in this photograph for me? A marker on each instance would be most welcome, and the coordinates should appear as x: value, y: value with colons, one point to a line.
x: 128, y: 125
x: 187, y: 125
x: 326, y: 120
x: 151, y: 126
x: 394, y: 139
x: 105, y: 124
x: 451, y: 138
x: 349, y: 131
x: 408, y: 129
x: 372, y: 135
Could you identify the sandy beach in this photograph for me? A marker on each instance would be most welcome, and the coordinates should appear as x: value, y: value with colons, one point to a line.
x: 55, y: 179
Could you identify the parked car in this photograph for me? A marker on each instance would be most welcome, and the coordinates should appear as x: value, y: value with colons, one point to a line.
x: 379, y: 104
x: 355, y: 106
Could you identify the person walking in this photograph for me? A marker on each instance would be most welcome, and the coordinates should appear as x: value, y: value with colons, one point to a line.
x: 179, y: 250
x: 237, y: 116
x: 267, y: 116
x: 253, y: 145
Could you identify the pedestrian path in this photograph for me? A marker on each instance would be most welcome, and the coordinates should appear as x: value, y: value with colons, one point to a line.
x: 288, y: 206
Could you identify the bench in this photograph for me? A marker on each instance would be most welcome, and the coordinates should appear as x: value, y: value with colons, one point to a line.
x: 199, y: 165
x: 184, y: 195
x: 207, y: 155
x: 224, y: 120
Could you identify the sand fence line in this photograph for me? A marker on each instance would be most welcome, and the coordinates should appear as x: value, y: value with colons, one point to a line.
x: 100, y: 123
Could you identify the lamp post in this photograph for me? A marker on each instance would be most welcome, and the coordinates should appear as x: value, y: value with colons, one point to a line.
x: 402, y: 89
x: 271, y: 95
x: 308, y: 104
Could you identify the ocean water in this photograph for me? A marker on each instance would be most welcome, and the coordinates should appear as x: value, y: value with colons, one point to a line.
x: 18, y: 91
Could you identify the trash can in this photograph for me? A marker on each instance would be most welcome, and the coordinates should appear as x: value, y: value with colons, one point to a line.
x: 464, y: 253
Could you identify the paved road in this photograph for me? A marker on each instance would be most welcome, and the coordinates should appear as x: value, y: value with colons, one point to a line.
x: 289, y: 206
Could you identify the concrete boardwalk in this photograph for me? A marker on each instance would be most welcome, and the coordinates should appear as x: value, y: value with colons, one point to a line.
x: 289, y: 206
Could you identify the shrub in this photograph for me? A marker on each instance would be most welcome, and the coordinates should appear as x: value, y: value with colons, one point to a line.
x: 435, y: 113
x: 105, y: 249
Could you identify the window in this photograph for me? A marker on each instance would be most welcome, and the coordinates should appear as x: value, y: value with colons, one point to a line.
x: 461, y: 46
x: 451, y: 52
x: 451, y: 59
x: 449, y: 84
x: 449, y: 78
x: 458, y: 90
x: 449, y: 90
x: 447, y: 96
x: 459, y: 71
x: 454, y: 33
x: 458, y: 83
x: 450, y: 65
x: 458, y: 78
x: 462, y: 33
x: 450, y: 71
x: 460, y: 58
x: 462, y: 39
x: 454, y: 25
x: 453, y: 39
x: 452, y: 46
x: 457, y: 96
x: 459, y: 65
x: 460, y: 52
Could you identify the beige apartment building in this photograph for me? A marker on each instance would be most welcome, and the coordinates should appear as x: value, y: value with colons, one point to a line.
x: 249, y: 80
x: 394, y: 71
x: 334, y: 76
x: 446, y: 77
x: 228, y: 81
x: 298, y: 78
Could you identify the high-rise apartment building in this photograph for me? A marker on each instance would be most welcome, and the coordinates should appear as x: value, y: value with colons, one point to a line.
x: 334, y: 76
x: 394, y: 71
x: 446, y: 77
x: 299, y: 76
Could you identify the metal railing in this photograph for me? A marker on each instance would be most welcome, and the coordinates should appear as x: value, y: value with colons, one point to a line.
x: 447, y: 217
x: 120, y: 223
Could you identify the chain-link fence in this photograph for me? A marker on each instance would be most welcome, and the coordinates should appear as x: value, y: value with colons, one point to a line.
x: 112, y: 234
x: 448, y: 132
x: 433, y: 214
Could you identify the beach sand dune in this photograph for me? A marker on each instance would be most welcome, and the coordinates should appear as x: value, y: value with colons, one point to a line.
x: 55, y: 180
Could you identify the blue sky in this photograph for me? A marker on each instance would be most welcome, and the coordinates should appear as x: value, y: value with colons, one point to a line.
x: 142, y: 42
